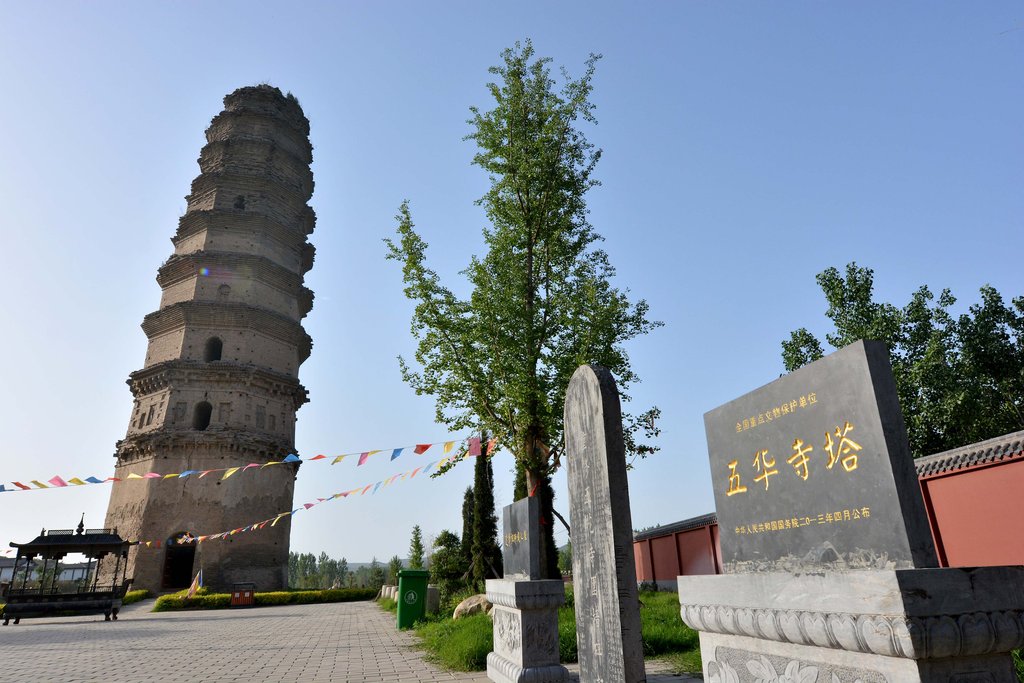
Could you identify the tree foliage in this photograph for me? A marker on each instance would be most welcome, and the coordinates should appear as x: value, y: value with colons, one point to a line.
x: 416, y: 548
x: 394, y: 566
x: 485, y: 551
x: 446, y: 568
x: 541, y: 301
x: 960, y: 379
x: 468, y: 511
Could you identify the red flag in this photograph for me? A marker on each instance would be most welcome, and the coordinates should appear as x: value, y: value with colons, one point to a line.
x: 421, y: 448
x: 318, y: 457
x: 491, y: 444
x: 21, y: 486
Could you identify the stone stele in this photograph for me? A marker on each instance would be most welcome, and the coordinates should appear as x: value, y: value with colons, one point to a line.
x: 830, y: 565
x: 604, y: 572
x: 521, y: 539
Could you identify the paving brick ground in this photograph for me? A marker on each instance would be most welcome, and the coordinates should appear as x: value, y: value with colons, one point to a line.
x: 341, y: 642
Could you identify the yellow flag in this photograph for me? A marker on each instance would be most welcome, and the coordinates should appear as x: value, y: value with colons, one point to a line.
x: 132, y: 475
x: 338, y: 459
x: 76, y: 481
x: 230, y: 471
x: 448, y: 446
x: 171, y: 476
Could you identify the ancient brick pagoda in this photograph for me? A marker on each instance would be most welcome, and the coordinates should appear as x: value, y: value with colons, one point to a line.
x: 220, y: 383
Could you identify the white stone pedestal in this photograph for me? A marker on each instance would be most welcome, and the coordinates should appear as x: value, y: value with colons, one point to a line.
x: 877, y: 626
x: 525, y: 631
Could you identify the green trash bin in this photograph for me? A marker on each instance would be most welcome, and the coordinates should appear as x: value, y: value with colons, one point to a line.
x: 412, y: 596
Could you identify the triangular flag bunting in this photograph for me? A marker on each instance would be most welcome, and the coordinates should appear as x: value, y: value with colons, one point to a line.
x: 40, y: 484
x: 57, y: 481
x: 338, y: 459
x: 93, y: 480
x: 132, y: 475
x: 474, y: 447
x: 397, y: 452
x: 21, y: 486
x: 491, y: 445
x: 76, y: 481
x: 414, y: 472
x: 448, y: 446
x: 229, y: 472
x: 422, y: 448
x: 291, y: 457
x: 318, y: 457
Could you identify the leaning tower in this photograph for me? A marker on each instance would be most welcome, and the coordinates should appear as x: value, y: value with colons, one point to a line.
x: 220, y: 383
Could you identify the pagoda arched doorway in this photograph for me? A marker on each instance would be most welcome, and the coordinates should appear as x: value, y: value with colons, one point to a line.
x: 179, y: 556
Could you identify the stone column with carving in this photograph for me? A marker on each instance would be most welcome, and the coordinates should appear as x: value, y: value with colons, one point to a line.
x: 525, y: 609
x: 525, y: 631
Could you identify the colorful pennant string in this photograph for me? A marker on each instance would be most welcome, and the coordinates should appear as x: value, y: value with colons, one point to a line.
x: 272, y: 521
x: 472, y: 446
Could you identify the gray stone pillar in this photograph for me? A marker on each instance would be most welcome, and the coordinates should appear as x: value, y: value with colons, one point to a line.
x: 603, y: 568
x: 433, y: 599
x: 525, y: 618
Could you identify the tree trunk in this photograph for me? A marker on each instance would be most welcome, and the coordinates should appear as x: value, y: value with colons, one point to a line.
x: 539, y: 485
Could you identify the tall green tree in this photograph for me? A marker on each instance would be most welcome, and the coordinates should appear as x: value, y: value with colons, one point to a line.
x: 485, y: 551
x: 375, y: 575
x: 342, y: 571
x: 394, y: 566
x: 416, y: 548
x: 446, y: 564
x: 960, y: 379
x: 541, y: 299
x: 467, y: 527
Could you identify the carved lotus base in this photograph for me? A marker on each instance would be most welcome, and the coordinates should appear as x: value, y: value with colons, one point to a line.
x: 891, y: 626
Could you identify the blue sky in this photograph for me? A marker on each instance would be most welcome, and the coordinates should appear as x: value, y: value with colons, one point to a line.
x: 747, y: 146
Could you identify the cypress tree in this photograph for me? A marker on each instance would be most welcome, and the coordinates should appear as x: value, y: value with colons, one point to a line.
x: 486, y: 554
x: 468, y: 512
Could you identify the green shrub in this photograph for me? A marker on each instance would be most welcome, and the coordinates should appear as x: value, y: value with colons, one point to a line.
x: 135, y: 596
x: 206, y: 600
x: 459, y: 645
x: 463, y: 645
x: 175, y: 601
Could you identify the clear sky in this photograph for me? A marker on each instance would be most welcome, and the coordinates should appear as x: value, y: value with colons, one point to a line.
x: 747, y: 146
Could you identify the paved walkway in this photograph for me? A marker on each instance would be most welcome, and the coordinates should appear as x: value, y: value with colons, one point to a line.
x: 339, y: 642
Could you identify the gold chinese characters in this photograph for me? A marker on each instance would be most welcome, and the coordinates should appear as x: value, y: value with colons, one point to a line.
x: 775, y: 412
x: 516, y: 537
x: 838, y: 446
x: 836, y: 517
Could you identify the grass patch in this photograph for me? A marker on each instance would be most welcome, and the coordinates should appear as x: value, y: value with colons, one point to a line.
x: 206, y: 600
x: 135, y: 596
x: 1018, y: 664
x: 460, y: 645
x: 388, y: 604
x: 463, y: 645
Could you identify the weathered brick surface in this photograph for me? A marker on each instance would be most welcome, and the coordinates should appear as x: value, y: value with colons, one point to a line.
x: 236, y: 276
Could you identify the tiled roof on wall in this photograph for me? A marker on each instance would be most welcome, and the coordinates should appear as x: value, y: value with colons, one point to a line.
x: 984, y: 452
x: 676, y: 527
